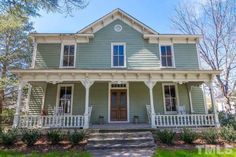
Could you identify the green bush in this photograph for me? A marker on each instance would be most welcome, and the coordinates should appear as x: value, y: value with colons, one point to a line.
x: 210, y: 135
x: 76, y: 137
x: 165, y: 136
x: 227, y: 119
x: 188, y: 136
x: 228, y: 133
x: 54, y: 136
x: 9, y: 137
x: 30, y: 137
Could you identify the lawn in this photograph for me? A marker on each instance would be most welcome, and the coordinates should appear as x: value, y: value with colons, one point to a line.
x: 163, y: 152
x: 51, y: 154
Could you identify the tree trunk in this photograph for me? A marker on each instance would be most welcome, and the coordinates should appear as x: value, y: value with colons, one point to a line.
x: 4, y: 70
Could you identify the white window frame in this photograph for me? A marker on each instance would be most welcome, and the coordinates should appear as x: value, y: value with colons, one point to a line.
x: 62, y: 54
x: 177, y: 97
x: 173, y: 55
x: 112, y: 45
x: 72, y: 96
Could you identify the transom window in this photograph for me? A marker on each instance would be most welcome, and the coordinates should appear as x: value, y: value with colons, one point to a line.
x: 68, y: 56
x: 65, y: 98
x: 170, y: 98
x: 166, y: 56
x: 118, y: 55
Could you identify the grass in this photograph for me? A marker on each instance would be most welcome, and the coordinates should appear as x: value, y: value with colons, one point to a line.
x: 51, y: 154
x: 194, y: 153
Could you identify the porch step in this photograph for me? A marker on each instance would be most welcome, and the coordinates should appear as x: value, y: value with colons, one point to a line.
x: 120, y: 140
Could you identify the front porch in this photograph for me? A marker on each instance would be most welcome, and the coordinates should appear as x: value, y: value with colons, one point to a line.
x: 174, y: 99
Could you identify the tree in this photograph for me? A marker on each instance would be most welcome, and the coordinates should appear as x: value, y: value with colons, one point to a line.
x: 32, y: 7
x: 216, y: 21
x: 15, y: 52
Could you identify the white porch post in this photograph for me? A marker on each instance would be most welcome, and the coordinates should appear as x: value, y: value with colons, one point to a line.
x: 214, y: 105
x: 18, y: 104
x: 87, y: 84
x: 150, y: 84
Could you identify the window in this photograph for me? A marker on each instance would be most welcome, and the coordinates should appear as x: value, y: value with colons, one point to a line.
x: 118, y: 55
x: 68, y: 56
x: 65, y: 98
x: 170, y: 98
x: 167, y: 56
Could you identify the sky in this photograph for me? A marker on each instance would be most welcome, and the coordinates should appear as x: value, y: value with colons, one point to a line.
x: 156, y: 14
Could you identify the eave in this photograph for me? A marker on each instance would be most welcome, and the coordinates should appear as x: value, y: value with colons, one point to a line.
x: 60, y: 75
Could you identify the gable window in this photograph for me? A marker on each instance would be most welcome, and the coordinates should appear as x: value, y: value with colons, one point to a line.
x: 166, y: 56
x: 68, y: 56
x: 170, y: 97
x: 118, y: 55
x: 65, y: 96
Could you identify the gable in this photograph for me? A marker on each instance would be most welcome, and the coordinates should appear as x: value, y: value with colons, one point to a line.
x: 113, y: 16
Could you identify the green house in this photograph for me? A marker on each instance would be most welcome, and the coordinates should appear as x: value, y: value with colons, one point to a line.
x: 115, y: 70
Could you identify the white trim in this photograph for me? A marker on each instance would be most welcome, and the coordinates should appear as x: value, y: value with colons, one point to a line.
x: 204, y: 99
x: 177, y: 97
x: 72, y: 95
x: 190, y: 98
x: 198, y: 56
x: 112, y: 45
x: 172, y: 53
x: 44, y: 95
x: 62, y: 53
x: 28, y: 97
x: 109, y: 103
x: 35, y: 48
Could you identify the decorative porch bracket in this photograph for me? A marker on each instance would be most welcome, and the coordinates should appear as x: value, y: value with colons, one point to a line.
x: 18, y: 103
x: 87, y: 84
x: 213, y: 103
x: 150, y: 84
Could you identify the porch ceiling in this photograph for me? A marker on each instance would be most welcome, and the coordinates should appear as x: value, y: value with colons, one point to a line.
x: 165, y: 75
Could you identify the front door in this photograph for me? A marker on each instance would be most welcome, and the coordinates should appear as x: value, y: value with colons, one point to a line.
x: 118, y: 105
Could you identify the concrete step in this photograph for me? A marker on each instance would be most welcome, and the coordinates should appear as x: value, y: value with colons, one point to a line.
x: 120, y: 140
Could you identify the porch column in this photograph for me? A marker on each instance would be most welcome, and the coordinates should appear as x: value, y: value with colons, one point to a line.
x: 87, y: 84
x: 150, y: 84
x: 18, y: 104
x: 214, y: 105
x: 189, y: 88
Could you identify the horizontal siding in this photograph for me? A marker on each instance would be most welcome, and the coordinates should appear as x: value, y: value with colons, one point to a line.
x: 48, y: 55
x: 186, y: 56
x: 97, y: 53
x: 198, y: 100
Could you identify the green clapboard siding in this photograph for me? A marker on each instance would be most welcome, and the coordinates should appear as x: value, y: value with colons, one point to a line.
x: 48, y: 55
x: 138, y: 98
x: 99, y: 101
x: 97, y: 53
x: 186, y: 56
x: 198, y: 100
x: 36, y: 97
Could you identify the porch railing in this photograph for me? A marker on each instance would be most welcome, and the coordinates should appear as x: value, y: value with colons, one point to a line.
x: 51, y: 121
x: 184, y: 120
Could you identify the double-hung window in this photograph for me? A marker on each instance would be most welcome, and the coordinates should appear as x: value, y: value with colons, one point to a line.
x: 65, y: 98
x: 167, y: 58
x: 118, y: 59
x: 68, y: 56
x: 170, y: 97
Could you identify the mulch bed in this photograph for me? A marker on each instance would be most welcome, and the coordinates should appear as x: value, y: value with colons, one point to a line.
x: 42, y: 145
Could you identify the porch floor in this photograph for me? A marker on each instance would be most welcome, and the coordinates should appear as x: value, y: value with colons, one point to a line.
x: 121, y: 126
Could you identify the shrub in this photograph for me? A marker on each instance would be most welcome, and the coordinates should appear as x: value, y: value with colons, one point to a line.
x: 54, y: 136
x: 210, y: 135
x: 228, y: 133
x: 188, y: 136
x: 30, y: 137
x: 227, y: 119
x: 165, y: 136
x: 9, y: 137
x: 76, y: 137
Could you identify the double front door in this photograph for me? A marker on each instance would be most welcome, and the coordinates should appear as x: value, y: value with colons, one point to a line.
x: 118, y: 105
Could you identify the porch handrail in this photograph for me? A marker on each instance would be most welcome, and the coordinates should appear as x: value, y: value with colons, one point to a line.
x: 184, y: 120
x: 51, y: 121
